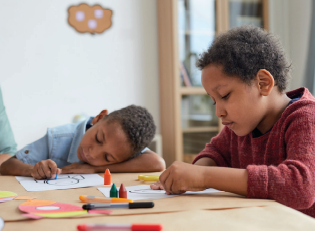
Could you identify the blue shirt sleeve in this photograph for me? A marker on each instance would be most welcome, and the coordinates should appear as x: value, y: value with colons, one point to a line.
x: 34, y: 152
x: 7, y: 142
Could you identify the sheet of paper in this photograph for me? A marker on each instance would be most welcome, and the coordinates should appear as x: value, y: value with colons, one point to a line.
x: 63, y: 181
x: 141, y: 192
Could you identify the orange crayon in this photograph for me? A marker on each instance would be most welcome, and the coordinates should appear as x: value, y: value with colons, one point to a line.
x: 107, y: 177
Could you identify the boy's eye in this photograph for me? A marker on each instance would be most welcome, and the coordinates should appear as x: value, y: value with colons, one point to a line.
x: 106, y: 158
x: 224, y: 97
x: 97, y: 139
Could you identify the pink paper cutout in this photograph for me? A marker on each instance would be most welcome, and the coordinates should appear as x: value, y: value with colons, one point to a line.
x: 100, y: 211
x: 61, y: 207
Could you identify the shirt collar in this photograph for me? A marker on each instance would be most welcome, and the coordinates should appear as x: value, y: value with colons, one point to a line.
x: 79, y: 132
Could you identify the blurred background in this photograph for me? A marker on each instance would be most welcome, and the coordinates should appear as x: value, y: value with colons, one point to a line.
x: 50, y: 74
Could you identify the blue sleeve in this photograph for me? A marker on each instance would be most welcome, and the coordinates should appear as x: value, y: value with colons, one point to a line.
x: 34, y: 152
x: 7, y: 142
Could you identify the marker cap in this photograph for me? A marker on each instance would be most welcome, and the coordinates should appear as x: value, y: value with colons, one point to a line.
x: 138, y: 205
x: 146, y: 227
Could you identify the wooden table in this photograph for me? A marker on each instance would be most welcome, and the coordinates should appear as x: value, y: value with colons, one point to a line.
x: 216, y: 211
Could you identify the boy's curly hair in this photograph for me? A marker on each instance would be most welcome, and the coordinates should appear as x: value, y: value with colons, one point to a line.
x: 137, y: 123
x: 243, y: 51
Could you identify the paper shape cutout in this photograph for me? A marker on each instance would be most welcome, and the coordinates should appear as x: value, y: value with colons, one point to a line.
x: 24, y: 198
x: 38, y: 203
x: 141, y: 192
x: 63, y: 181
x: 36, y: 209
x: 1, y: 223
x: 6, y: 196
x: 92, y: 19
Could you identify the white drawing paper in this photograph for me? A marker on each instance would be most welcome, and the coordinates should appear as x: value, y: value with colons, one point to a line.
x: 63, y: 181
x: 141, y: 192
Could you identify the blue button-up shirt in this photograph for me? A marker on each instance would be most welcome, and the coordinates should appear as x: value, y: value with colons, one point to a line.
x: 60, y: 144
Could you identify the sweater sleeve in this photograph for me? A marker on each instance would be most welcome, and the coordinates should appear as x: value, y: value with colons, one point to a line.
x: 218, y: 149
x: 292, y: 181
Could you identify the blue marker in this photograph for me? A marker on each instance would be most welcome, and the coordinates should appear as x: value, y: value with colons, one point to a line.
x: 56, y: 176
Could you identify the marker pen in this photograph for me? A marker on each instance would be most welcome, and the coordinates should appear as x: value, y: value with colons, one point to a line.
x: 135, y: 205
x: 93, y: 199
x: 120, y: 227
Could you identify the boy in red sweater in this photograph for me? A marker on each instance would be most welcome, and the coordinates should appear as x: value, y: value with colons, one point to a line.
x: 267, y: 147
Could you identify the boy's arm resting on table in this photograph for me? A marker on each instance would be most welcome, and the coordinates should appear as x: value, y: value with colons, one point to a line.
x: 148, y: 161
x: 15, y: 167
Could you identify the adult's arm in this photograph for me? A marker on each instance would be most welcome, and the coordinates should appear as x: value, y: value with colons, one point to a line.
x: 148, y: 161
x: 7, y: 142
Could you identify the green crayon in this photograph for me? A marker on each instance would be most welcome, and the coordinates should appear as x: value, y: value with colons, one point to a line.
x: 113, y: 191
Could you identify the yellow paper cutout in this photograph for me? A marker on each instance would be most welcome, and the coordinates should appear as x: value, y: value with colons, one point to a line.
x: 62, y: 214
x: 24, y: 198
x: 38, y: 203
x: 7, y: 194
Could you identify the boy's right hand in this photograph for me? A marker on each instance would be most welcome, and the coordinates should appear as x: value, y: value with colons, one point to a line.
x: 45, y: 169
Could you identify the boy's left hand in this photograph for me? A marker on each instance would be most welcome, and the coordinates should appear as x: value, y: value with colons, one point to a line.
x: 78, y: 168
x: 181, y: 177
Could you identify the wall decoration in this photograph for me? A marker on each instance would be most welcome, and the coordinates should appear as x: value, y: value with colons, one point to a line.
x: 91, y: 19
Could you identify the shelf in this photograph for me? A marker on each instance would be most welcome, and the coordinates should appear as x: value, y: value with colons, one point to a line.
x: 192, y: 91
x: 200, y: 129
x: 197, y: 32
x: 188, y: 158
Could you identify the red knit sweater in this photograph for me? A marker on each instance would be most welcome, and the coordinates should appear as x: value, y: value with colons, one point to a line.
x: 280, y: 163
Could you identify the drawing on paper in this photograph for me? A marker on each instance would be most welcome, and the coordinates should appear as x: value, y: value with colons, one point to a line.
x: 62, y: 180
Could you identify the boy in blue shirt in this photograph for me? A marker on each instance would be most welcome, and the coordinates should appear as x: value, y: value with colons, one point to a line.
x: 116, y: 141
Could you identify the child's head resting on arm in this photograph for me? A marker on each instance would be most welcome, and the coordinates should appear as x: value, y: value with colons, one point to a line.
x: 117, y: 136
x: 245, y: 72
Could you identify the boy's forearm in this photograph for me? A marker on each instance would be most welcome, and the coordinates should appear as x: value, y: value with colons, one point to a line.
x: 226, y: 179
x: 205, y: 161
x: 15, y: 167
x: 146, y: 162
x: 4, y: 157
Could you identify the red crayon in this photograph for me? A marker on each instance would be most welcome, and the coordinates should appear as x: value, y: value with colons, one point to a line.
x: 107, y: 177
x: 122, y: 191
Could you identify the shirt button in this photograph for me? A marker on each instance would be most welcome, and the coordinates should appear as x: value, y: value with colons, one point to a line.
x: 26, y: 151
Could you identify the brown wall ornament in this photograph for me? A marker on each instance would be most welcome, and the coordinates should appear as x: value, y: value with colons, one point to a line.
x: 92, y: 19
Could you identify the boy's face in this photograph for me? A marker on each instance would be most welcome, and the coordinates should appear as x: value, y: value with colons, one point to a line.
x: 104, y: 143
x: 239, y: 105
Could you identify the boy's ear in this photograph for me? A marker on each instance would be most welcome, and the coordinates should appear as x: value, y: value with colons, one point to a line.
x: 265, y: 81
x: 100, y: 116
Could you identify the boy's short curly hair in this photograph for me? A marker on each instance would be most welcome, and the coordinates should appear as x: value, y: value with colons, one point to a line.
x: 137, y: 123
x: 243, y: 51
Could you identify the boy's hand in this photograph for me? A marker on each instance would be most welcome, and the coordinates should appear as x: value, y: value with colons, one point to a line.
x: 181, y: 177
x: 45, y: 169
x: 156, y: 186
x: 78, y: 168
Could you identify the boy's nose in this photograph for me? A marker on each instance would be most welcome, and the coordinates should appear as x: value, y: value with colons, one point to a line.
x: 220, y: 111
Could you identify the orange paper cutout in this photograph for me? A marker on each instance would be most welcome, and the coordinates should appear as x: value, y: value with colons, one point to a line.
x: 24, y: 198
x: 37, y: 203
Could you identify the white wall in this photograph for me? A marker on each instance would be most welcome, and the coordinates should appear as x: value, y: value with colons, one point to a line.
x: 49, y: 72
x: 291, y: 21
